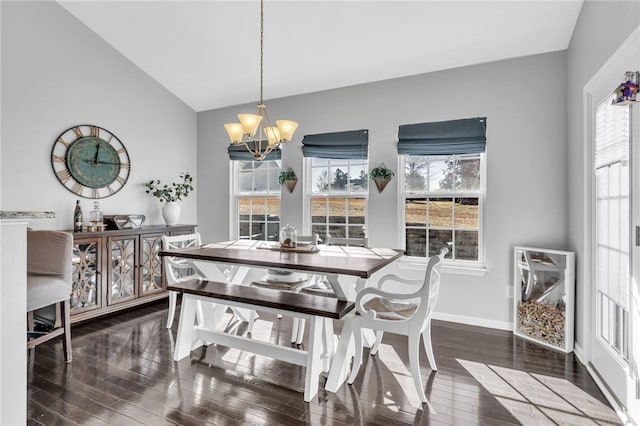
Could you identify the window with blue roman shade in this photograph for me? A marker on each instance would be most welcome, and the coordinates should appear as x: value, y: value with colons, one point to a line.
x: 454, y: 137
x: 353, y: 145
x: 240, y: 153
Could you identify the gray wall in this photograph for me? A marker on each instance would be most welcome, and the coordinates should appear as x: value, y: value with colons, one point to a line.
x: 524, y: 102
x: 56, y: 73
x: 602, y: 27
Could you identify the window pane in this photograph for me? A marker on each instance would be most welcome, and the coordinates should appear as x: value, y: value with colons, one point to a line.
x: 439, y: 239
x: 356, y: 231
x: 273, y: 208
x: 337, y: 210
x: 245, y: 180
x: 256, y: 231
x: 468, y: 173
x: 466, y: 213
x: 244, y: 208
x: 321, y: 230
x: 416, y: 212
x: 319, y: 162
x: 441, y: 213
x: 339, y: 178
x: 438, y: 180
x: 318, y: 210
x: 357, y: 210
x: 258, y: 210
x: 261, y: 179
x: 338, y: 231
x: 320, y: 180
x: 359, y: 179
x: 466, y: 245
x: 416, y: 242
x: 415, y: 173
x: 243, y: 230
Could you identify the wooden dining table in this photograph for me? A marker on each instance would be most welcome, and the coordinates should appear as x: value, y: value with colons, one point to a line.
x: 339, y: 264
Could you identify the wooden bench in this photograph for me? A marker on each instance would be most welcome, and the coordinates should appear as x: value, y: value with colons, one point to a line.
x: 319, y: 312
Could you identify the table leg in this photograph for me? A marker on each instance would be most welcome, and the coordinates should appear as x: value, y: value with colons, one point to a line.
x: 340, y: 363
x: 314, y: 365
x: 327, y: 344
x: 186, y: 336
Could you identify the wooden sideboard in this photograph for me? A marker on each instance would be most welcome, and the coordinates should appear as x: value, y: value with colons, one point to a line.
x: 114, y: 270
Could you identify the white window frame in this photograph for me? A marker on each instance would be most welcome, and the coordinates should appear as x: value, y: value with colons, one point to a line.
x: 309, y: 195
x: 234, y: 194
x: 466, y: 267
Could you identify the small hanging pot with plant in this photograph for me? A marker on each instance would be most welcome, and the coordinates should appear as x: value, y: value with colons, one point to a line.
x: 381, y: 175
x: 288, y: 177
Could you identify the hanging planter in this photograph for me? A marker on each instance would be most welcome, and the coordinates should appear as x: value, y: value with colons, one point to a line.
x: 288, y: 177
x: 381, y: 175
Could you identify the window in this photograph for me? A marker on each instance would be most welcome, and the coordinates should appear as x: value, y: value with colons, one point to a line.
x: 444, y: 187
x: 442, y: 203
x: 336, y: 186
x: 337, y: 192
x: 257, y: 199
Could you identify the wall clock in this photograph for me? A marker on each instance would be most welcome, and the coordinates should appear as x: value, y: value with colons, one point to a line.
x: 90, y: 161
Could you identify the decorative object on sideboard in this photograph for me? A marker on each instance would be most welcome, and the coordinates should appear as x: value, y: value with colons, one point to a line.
x: 381, y: 175
x: 288, y: 237
x: 124, y: 221
x: 251, y: 127
x: 96, y: 219
x: 288, y: 177
x: 77, y: 218
x: 172, y: 196
x: 627, y: 92
x: 90, y: 161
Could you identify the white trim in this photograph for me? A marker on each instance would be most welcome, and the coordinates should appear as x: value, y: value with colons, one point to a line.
x: 416, y: 264
x: 479, y: 322
x: 605, y: 391
x: 593, y: 91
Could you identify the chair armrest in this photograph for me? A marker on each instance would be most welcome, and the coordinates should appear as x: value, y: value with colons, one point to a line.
x: 398, y: 279
x: 372, y: 291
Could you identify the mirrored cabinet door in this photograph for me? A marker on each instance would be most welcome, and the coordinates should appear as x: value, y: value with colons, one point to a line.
x: 122, y: 268
x: 86, y: 271
x: 151, y: 264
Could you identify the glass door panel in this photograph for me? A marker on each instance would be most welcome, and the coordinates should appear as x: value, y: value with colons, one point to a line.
x: 122, y: 268
x: 86, y: 276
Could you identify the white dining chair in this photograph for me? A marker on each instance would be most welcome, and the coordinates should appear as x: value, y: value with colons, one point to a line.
x: 179, y: 269
x: 407, y: 314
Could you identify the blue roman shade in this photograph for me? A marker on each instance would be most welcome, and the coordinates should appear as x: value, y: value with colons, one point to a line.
x: 239, y: 152
x: 352, y: 145
x: 466, y: 136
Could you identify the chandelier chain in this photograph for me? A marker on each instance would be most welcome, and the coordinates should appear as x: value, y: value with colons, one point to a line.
x: 261, y: 47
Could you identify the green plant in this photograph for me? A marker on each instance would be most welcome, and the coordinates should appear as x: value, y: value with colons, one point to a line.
x: 381, y: 172
x: 286, y: 175
x: 173, y: 192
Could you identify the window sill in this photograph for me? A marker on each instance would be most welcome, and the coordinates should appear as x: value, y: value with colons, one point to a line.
x: 417, y: 265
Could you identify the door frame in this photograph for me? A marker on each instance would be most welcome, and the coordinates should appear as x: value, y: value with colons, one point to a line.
x: 623, y: 58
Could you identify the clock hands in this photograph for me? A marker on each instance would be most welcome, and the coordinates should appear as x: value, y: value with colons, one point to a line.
x: 95, y: 160
x: 101, y: 162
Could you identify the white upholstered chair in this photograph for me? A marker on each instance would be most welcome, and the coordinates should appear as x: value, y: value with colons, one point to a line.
x: 407, y: 314
x: 177, y: 270
x: 49, y: 282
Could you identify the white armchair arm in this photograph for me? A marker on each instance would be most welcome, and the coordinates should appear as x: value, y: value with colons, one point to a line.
x: 372, y: 291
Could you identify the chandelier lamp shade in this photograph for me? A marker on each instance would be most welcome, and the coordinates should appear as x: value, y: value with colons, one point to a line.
x: 255, y: 131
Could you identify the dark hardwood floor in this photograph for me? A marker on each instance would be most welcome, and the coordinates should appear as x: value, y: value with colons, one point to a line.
x: 122, y: 373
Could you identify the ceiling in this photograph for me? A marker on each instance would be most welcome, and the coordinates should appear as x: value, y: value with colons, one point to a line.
x: 207, y: 52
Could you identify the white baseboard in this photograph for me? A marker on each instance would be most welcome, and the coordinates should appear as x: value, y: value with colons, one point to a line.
x: 480, y: 322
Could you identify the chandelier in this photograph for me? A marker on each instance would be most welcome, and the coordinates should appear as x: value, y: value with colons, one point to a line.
x: 249, y: 131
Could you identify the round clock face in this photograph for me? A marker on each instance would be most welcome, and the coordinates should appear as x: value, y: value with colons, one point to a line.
x: 90, y: 161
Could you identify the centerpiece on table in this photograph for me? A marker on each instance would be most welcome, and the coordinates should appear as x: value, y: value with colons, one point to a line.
x: 171, y: 195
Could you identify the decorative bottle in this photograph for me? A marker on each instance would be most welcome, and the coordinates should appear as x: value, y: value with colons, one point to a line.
x: 95, y: 217
x: 288, y: 237
x: 77, y: 218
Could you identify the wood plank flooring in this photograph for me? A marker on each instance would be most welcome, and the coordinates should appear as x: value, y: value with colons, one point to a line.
x: 123, y: 374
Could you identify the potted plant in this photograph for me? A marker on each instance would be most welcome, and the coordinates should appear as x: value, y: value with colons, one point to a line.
x: 289, y: 178
x: 172, y: 195
x: 381, y: 175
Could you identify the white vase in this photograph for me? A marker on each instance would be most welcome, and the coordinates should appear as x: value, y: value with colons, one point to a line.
x: 171, y: 212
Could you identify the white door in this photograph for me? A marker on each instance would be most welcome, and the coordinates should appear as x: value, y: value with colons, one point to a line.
x: 614, y: 204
